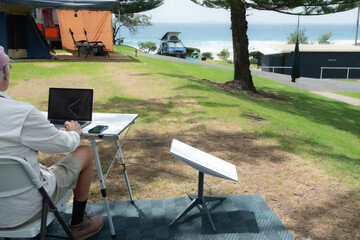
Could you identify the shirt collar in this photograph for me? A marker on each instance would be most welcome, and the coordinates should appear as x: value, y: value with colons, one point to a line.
x: 4, y: 95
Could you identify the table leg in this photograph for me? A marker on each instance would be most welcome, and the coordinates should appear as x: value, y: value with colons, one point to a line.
x: 102, y: 185
x: 123, y: 168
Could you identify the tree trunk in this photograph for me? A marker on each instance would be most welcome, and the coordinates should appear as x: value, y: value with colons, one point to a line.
x: 239, y: 28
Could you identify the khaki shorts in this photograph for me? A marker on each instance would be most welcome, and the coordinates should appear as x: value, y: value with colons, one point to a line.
x: 67, y: 172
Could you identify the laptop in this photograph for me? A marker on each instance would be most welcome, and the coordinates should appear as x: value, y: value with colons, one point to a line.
x: 66, y: 104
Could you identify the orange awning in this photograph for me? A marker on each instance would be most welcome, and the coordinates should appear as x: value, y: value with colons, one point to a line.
x: 96, y: 23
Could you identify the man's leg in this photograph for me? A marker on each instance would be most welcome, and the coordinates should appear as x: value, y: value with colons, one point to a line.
x: 85, y: 155
x: 81, y: 225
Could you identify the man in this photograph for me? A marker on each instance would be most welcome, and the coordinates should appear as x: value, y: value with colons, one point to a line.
x: 24, y: 131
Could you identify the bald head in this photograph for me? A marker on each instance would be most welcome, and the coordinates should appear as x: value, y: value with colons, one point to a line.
x: 4, y: 58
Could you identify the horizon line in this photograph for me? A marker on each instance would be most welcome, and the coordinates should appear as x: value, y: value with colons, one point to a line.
x: 263, y: 23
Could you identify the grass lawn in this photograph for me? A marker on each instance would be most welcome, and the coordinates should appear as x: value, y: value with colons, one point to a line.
x: 300, y: 152
x: 350, y: 94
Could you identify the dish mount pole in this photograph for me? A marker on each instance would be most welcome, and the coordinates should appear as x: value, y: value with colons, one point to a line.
x: 357, y: 24
x: 199, y: 199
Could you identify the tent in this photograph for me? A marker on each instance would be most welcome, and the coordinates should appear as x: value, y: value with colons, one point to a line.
x: 19, y: 35
x: 18, y: 32
x: 97, y: 24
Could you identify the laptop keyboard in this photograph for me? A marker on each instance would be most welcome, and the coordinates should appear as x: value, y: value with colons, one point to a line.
x: 58, y: 122
x: 62, y: 122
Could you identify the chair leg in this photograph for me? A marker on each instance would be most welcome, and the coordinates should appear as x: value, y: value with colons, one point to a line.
x: 106, y: 52
x: 78, y: 51
x: 45, y: 209
x: 50, y: 206
x: 89, y: 49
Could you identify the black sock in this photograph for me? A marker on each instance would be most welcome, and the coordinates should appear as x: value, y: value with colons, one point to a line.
x: 78, y: 212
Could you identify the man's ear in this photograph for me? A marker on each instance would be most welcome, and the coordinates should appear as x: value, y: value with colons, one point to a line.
x: 4, y: 84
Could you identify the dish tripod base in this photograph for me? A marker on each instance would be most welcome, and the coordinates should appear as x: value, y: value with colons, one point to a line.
x: 199, y: 201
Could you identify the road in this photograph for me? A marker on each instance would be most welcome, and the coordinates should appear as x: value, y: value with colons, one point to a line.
x: 175, y: 59
x: 311, y: 84
x: 323, y: 87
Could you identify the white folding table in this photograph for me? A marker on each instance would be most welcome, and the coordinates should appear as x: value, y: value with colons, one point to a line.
x: 117, y: 124
x: 204, y: 163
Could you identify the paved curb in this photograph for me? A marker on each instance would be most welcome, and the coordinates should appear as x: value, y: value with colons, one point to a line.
x: 349, y: 100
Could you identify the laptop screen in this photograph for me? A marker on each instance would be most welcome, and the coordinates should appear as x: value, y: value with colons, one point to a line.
x: 70, y: 104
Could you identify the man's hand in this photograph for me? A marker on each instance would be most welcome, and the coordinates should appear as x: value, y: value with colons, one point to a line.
x: 73, y: 126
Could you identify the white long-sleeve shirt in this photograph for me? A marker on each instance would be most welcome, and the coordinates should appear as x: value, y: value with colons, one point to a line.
x: 24, y: 131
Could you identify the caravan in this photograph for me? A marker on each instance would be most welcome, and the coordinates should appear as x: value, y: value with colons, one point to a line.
x: 21, y: 37
x: 19, y: 34
x: 171, y: 45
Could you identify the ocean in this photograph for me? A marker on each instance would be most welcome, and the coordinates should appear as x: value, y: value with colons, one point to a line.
x: 215, y: 37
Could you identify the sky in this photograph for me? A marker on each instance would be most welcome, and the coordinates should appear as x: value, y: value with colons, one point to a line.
x: 185, y: 11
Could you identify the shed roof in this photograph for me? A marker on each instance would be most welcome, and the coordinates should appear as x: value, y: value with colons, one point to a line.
x: 288, y: 48
x: 268, y: 50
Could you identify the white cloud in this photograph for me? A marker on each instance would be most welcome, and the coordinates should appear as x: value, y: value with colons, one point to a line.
x: 185, y: 11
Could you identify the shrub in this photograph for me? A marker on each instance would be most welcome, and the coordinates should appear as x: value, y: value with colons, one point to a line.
x: 224, y: 54
x: 254, y: 54
x: 190, y: 50
x: 253, y: 61
x: 148, y: 46
x: 302, y: 38
x: 207, y: 55
x: 325, y: 38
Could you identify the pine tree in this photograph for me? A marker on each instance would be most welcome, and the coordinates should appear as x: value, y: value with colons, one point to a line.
x: 129, y: 16
x: 137, y: 6
x: 239, y: 24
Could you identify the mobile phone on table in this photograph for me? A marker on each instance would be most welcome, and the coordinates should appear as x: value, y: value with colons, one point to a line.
x: 98, y: 129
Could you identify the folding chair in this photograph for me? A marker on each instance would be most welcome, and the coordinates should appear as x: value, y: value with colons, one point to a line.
x: 97, y: 45
x: 81, y: 44
x: 17, y: 176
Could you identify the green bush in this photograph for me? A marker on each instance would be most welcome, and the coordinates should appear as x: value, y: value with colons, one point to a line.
x: 190, y: 50
x: 224, y: 54
x: 325, y: 38
x: 303, y: 39
x: 207, y: 55
x: 148, y: 46
x: 254, y: 54
x: 253, y: 61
